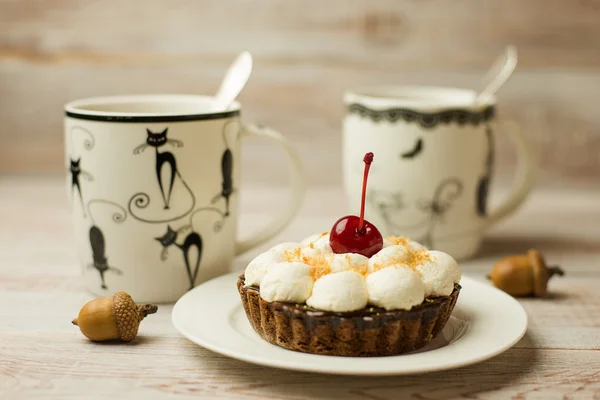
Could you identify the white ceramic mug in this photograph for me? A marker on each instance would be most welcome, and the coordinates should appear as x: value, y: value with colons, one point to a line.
x: 153, y: 186
x: 434, y: 152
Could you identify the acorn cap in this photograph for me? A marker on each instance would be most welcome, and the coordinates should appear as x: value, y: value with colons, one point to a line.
x: 128, y: 315
x: 540, y: 272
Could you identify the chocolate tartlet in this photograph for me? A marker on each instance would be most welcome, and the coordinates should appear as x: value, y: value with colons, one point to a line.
x: 368, y: 332
x: 350, y: 291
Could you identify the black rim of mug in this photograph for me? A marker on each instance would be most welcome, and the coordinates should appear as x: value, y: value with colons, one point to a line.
x: 152, y: 118
x: 425, y: 119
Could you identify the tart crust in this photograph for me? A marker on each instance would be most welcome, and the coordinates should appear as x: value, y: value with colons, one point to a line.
x: 368, y: 332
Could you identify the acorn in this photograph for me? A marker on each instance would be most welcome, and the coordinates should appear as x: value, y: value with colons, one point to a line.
x: 116, y: 317
x: 523, y: 274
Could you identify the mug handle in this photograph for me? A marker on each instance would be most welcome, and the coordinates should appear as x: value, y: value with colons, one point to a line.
x: 525, y: 176
x: 296, y: 194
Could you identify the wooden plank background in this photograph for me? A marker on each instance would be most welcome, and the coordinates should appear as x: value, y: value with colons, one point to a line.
x: 307, y: 52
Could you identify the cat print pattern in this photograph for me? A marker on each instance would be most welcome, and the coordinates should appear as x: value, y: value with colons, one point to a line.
x: 85, y: 138
x: 98, y: 241
x: 76, y: 173
x: 192, y: 242
x: 483, y: 187
x: 231, y: 128
x: 163, y: 160
x: 165, y: 163
x: 390, y: 205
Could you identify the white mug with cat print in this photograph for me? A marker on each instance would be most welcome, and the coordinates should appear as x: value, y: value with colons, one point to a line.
x: 153, y: 183
x: 434, y: 152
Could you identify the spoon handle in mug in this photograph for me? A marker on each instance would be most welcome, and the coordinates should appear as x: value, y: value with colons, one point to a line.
x: 297, y: 186
x: 498, y: 74
x: 525, y: 176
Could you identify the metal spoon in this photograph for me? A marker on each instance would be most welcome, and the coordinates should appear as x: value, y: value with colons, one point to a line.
x: 497, y: 75
x: 233, y: 83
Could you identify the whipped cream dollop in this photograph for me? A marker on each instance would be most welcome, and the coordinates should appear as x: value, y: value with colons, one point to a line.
x: 394, y: 241
x: 439, y: 274
x: 317, y: 247
x: 346, y: 262
x: 339, y: 292
x: 289, y: 282
x: 258, y: 267
x: 400, y: 276
x: 396, y: 287
x: 396, y: 254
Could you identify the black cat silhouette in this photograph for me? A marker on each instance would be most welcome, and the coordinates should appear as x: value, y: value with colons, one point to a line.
x: 88, y: 141
x: 484, y: 183
x: 76, y: 172
x: 98, y: 243
x: 226, y: 170
x: 192, y: 239
x: 100, y: 262
x: 227, y: 183
x: 157, y: 140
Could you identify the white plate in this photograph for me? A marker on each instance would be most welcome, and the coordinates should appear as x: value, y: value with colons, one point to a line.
x: 485, y: 322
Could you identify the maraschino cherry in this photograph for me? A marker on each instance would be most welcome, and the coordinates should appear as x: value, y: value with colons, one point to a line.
x: 352, y: 234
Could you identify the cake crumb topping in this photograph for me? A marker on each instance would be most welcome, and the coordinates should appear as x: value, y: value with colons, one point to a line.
x: 319, y: 265
x: 412, y: 257
x: 417, y: 257
x: 399, y: 240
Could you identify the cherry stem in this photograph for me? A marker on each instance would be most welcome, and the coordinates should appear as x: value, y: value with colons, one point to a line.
x: 361, y: 223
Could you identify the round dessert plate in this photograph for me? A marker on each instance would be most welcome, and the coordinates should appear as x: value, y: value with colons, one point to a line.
x: 485, y: 322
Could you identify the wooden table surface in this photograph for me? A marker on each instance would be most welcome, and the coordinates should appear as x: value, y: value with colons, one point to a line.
x: 43, y: 356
